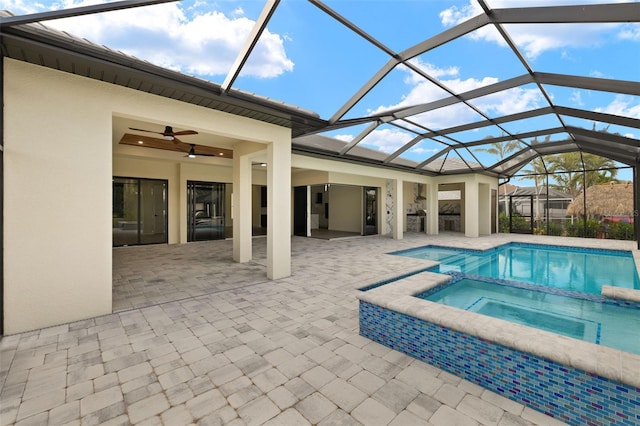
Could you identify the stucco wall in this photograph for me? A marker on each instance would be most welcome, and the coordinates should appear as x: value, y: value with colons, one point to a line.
x: 58, y: 173
x: 345, y: 208
x: 57, y: 197
x: 476, y: 201
x: 61, y: 153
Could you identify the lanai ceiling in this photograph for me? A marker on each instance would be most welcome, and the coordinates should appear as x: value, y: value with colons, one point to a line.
x: 403, y: 101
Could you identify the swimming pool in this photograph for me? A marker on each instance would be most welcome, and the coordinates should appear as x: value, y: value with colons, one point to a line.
x: 530, y: 324
x: 576, y: 269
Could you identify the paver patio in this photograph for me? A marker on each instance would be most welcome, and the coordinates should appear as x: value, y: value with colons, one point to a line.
x: 240, y: 349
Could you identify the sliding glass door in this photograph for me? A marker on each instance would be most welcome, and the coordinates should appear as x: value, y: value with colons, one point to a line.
x: 139, y: 211
x: 205, y: 211
x: 370, y: 211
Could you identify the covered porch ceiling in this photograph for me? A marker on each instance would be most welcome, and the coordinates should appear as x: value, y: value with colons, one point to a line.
x: 549, y: 122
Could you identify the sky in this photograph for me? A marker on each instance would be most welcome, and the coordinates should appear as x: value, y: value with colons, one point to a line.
x: 308, y: 59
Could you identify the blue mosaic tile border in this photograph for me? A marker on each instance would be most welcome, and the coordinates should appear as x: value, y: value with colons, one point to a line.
x: 566, y: 393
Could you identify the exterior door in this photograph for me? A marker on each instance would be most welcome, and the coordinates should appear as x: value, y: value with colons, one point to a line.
x: 205, y: 211
x: 494, y: 211
x: 139, y: 211
x: 370, y: 211
x: 300, y: 211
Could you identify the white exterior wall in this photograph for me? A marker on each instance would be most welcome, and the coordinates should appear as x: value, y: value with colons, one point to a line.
x: 58, y: 148
x: 345, y: 208
x: 61, y: 155
x: 57, y: 198
x: 476, y: 201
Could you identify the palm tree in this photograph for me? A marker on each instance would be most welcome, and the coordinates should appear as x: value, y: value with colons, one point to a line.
x: 538, y: 171
x: 567, y: 171
x: 501, y: 150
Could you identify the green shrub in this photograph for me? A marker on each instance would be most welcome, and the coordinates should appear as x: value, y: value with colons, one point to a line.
x: 503, y: 223
x: 620, y: 231
x: 555, y: 228
x: 576, y: 229
x: 519, y: 224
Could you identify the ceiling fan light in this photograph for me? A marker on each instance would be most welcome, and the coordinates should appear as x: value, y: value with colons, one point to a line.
x: 168, y: 133
x: 192, y: 152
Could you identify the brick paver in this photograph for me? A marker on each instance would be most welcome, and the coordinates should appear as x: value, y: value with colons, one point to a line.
x: 197, y: 338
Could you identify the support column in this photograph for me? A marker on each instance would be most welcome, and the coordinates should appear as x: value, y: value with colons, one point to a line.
x: 241, y: 204
x: 432, y: 226
x: 308, y: 211
x: 398, y: 209
x: 279, y: 210
x: 636, y: 202
x: 471, y: 209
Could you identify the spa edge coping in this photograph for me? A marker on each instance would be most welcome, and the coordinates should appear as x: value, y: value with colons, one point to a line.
x: 399, y: 296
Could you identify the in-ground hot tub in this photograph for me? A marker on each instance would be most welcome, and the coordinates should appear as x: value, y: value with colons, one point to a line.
x: 575, y: 381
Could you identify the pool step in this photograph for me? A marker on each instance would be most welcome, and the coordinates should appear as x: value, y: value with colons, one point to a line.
x: 461, y: 260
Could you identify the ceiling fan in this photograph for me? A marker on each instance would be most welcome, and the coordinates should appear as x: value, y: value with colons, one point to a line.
x: 168, y: 133
x: 192, y: 153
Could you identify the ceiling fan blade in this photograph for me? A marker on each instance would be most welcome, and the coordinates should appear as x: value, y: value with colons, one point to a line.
x: 148, y: 131
x: 193, y: 154
x: 177, y: 146
x: 198, y: 154
x: 185, y: 132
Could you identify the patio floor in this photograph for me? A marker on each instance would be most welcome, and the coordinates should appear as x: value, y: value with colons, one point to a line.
x: 236, y: 348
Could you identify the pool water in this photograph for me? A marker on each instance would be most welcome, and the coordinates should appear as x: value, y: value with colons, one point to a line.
x: 599, y: 322
x: 582, y: 270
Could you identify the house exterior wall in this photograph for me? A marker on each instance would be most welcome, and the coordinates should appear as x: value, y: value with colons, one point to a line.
x: 345, y: 208
x: 57, y: 197
x: 476, y: 201
x: 59, y: 151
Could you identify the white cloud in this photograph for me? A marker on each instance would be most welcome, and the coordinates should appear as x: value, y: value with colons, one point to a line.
x: 533, y: 39
x: 21, y: 7
x: 206, y: 45
x: 622, y: 105
x: 344, y: 138
x: 428, y: 68
x: 597, y: 74
x: 509, y: 101
x: 386, y: 140
x: 630, y: 32
x: 576, y: 98
x: 424, y: 91
x: 506, y: 102
x: 420, y: 150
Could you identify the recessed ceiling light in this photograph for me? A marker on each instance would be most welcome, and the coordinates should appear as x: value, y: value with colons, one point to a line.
x: 140, y: 142
x: 222, y: 153
x: 263, y: 164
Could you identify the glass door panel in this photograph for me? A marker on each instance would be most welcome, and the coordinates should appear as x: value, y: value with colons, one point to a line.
x: 153, y: 213
x: 205, y: 211
x: 370, y: 211
x: 139, y: 211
